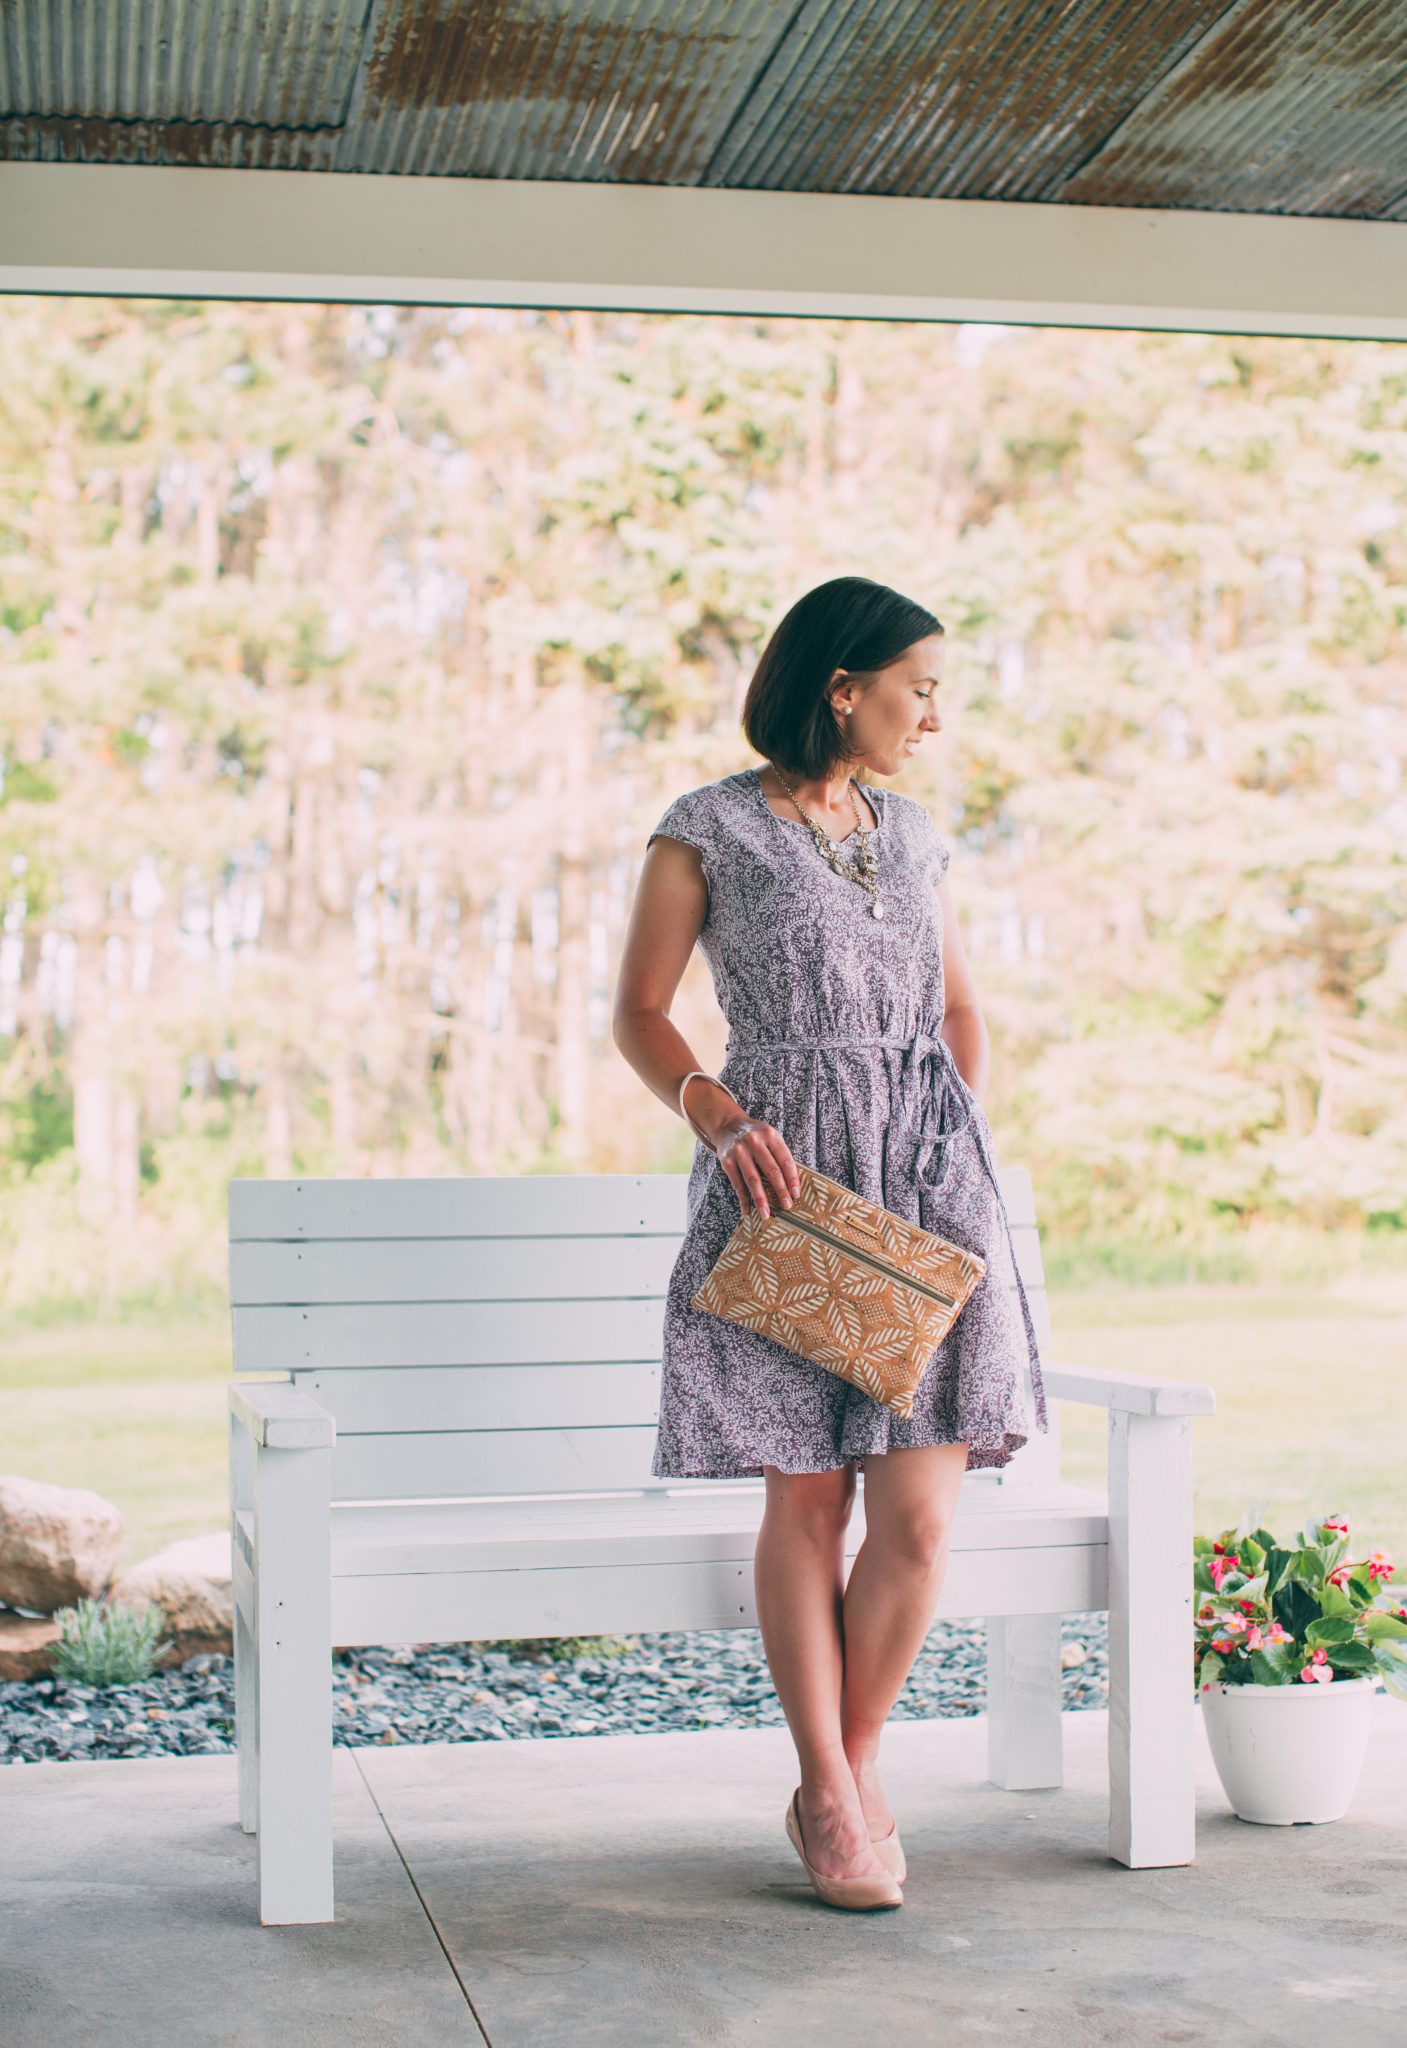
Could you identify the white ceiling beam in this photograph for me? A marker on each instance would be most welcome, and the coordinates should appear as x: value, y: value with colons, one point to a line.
x: 139, y: 231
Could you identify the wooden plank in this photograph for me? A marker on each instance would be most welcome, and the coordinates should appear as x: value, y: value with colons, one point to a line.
x: 607, y: 1599
x: 279, y: 1416
x: 1134, y: 1393
x: 1152, y: 1701
x: 277, y: 1337
x: 1018, y: 1198
x: 145, y: 231
x: 1024, y: 1701
x: 270, y: 1338
x: 412, y: 1269
x: 496, y: 1205
x: 1026, y: 1244
x: 441, y: 1463
x: 497, y: 1397
x: 477, y: 1205
x: 719, y: 1523
x: 291, y: 1687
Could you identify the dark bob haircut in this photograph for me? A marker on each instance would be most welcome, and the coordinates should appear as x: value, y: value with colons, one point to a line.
x: 850, y: 623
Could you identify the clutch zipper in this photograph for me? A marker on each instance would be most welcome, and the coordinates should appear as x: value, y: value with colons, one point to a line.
x: 867, y: 1258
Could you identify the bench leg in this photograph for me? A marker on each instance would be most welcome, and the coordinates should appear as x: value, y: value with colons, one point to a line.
x: 246, y: 1723
x: 1023, y: 1701
x: 292, y: 1685
x: 1152, y: 1727
x: 241, y: 1468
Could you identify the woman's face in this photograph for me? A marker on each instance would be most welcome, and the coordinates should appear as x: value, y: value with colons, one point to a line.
x: 890, y: 716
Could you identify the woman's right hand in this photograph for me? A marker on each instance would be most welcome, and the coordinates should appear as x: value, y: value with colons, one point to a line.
x: 752, y: 1154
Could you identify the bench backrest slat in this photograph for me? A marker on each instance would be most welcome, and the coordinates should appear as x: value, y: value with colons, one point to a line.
x: 451, y: 1269
x: 491, y: 1335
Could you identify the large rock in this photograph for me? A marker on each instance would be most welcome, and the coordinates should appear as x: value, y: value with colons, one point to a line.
x: 190, y: 1582
x: 27, y: 1645
x: 57, y: 1543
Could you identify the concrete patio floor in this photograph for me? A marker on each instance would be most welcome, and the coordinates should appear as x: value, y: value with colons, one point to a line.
x: 638, y: 1891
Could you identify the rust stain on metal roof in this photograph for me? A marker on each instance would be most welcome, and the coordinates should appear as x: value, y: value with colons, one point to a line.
x: 92, y: 139
x: 1297, y: 110
x: 552, y: 92
x: 990, y: 101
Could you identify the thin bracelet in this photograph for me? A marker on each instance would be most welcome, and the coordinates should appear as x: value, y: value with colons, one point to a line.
x: 697, y: 1073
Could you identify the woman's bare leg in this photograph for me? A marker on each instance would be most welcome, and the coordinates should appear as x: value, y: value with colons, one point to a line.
x: 799, y: 1575
x: 895, y: 1580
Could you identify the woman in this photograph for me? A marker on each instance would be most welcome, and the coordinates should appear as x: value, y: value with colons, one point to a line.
x: 856, y: 1044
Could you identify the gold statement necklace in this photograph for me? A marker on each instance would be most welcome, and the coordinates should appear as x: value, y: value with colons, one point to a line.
x: 866, y: 870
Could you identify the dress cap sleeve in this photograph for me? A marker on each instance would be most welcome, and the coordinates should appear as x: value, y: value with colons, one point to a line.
x: 687, y: 818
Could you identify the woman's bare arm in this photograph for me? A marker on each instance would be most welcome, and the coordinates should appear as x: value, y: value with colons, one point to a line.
x: 671, y: 902
x: 964, y: 1027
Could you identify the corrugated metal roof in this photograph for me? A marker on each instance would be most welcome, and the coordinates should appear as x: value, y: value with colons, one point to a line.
x: 989, y: 101
x: 1282, y: 109
x: 1274, y: 106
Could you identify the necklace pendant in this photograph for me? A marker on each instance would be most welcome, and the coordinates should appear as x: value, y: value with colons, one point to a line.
x: 876, y: 908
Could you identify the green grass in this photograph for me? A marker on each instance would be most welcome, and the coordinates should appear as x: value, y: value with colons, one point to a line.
x: 1311, y: 1388
x: 136, y: 1411
x: 1311, y: 1391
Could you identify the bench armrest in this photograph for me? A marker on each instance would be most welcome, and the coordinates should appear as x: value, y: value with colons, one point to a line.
x: 1135, y: 1393
x: 279, y: 1417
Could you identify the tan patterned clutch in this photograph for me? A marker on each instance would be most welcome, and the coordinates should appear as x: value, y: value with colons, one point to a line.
x: 845, y: 1283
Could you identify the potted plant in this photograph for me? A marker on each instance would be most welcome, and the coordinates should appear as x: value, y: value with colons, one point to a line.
x: 1291, y: 1642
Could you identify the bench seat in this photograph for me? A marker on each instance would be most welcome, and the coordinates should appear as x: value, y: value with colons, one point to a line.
x: 416, y: 1571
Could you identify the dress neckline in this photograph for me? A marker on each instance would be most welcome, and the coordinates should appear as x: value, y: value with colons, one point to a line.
x: 873, y: 796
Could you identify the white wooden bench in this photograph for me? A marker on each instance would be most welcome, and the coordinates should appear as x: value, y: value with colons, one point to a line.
x: 460, y: 1450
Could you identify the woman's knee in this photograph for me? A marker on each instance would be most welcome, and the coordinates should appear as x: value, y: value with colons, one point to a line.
x: 916, y: 1537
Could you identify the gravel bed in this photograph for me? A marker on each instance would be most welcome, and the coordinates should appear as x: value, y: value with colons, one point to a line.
x: 490, y: 1693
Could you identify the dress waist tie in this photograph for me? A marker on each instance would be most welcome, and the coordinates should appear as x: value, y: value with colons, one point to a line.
x: 945, y: 1108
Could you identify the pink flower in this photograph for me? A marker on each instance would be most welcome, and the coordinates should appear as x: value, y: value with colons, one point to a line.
x: 1220, y: 1564
x: 1248, y: 1606
x: 1253, y: 1636
x: 1224, y: 1644
x: 1206, y: 1612
x: 1320, y: 1656
x: 1322, y: 1673
x: 1335, y: 1522
x: 1380, y: 1565
x: 1277, y: 1634
x: 1339, y: 1576
x: 1234, y: 1621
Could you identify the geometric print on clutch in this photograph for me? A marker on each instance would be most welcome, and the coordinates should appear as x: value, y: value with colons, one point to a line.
x: 849, y: 1285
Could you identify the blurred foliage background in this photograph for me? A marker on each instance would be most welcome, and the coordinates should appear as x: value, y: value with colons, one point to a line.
x: 350, y: 654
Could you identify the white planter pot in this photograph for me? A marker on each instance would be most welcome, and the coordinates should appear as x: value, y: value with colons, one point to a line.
x: 1287, y: 1753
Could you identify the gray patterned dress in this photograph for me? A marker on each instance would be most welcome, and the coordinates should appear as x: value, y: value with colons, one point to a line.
x: 833, y: 1037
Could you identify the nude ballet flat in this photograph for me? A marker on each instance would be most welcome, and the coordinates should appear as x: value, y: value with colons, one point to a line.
x: 890, y: 1851
x: 858, y: 1894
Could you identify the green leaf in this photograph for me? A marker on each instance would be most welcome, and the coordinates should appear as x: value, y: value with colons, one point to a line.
x: 1332, y: 1629
x: 1267, y: 1668
x: 1392, y: 1668
x: 1277, y: 1568
x: 1352, y: 1657
x: 1211, y: 1668
x: 1334, y: 1601
x: 1379, y: 1627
